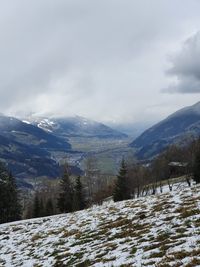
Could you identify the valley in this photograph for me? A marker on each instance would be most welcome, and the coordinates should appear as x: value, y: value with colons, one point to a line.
x: 36, y: 147
x: 100, y: 133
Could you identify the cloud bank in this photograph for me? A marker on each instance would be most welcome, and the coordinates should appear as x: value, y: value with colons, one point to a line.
x: 186, y: 67
x: 105, y: 60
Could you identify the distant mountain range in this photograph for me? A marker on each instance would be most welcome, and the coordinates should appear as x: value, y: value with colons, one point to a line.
x: 175, y: 129
x: 21, y: 132
x: 74, y: 127
x: 27, y: 149
x: 32, y: 147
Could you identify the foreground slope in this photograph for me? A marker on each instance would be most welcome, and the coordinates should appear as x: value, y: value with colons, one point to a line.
x: 175, y: 128
x: 162, y: 230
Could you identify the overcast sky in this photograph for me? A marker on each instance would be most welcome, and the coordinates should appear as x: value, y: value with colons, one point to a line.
x: 108, y: 60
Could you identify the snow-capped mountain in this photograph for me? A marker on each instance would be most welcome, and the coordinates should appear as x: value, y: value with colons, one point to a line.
x: 25, y: 133
x: 174, y: 129
x: 74, y: 127
x: 27, y: 149
x: 33, y: 146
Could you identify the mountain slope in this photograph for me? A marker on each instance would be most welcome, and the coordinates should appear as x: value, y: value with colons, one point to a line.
x: 34, y: 146
x: 75, y: 127
x: 24, y: 133
x: 27, y: 161
x: 160, y: 230
x: 185, y: 122
x: 27, y: 149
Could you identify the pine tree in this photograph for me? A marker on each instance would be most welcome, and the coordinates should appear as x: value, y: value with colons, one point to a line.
x: 10, y: 209
x: 3, y: 193
x: 42, y: 208
x: 65, y: 199
x: 49, y: 207
x: 14, y: 211
x: 196, y: 167
x: 36, y: 206
x: 121, y: 191
x: 78, y: 199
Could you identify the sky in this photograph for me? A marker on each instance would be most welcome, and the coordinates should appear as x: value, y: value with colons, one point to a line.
x: 115, y: 61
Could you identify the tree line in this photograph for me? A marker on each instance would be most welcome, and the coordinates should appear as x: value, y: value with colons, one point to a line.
x: 134, y: 179
x: 68, y: 196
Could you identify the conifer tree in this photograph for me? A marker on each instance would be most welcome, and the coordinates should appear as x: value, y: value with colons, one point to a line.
x: 42, y: 207
x: 49, y: 207
x: 3, y: 194
x: 196, y: 167
x: 121, y: 190
x: 65, y: 199
x: 78, y: 199
x: 14, y: 207
x: 36, y: 206
x: 10, y: 209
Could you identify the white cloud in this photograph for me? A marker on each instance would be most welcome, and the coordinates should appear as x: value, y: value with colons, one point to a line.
x: 186, y: 67
x: 101, y: 59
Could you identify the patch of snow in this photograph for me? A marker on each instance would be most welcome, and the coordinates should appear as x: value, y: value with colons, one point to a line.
x: 135, y: 232
x: 27, y: 122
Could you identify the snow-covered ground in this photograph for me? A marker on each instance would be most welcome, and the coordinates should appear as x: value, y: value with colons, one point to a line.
x: 161, y: 230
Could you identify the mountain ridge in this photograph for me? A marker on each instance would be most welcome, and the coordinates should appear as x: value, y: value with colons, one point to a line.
x: 182, y: 123
x: 26, y: 149
x: 34, y: 148
x: 74, y: 126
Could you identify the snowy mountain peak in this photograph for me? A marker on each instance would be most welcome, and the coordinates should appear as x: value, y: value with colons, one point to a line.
x: 74, y: 126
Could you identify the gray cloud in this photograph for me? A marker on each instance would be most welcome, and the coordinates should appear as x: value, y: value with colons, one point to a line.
x: 101, y: 59
x: 186, y: 67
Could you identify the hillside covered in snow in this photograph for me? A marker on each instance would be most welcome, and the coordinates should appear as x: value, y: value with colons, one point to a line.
x: 161, y: 230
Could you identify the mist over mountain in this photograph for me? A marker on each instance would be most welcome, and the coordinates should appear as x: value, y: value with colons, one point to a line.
x: 35, y: 145
x: 132, y: 129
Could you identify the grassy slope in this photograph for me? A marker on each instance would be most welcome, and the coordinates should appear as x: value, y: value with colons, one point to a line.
x: 162, y: 230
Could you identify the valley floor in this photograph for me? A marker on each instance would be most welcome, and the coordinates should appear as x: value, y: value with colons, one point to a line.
x: 161, y: 230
